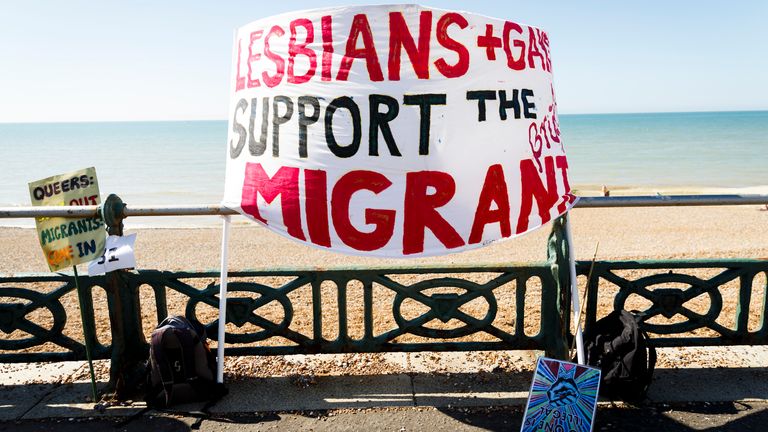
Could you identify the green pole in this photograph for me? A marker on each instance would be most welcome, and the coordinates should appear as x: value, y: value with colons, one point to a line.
x: 85, y: 334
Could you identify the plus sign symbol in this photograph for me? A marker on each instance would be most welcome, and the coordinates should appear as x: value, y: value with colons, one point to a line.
x: 489, y: 42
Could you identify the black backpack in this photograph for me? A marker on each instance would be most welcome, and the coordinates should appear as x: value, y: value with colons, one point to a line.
x: 622, y: 351
x: 182, y: 367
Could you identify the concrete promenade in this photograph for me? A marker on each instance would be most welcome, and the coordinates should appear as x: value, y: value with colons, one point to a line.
x: 460, y: 396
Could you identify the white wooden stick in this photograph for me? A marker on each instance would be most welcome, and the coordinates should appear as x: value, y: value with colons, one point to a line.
x: 222, y: 301
x: 574, y: 291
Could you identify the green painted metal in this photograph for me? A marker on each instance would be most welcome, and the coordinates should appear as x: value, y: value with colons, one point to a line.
x: 442, y: 307
x: 129, y: 347
x: 670, y: 293
x: 559, y: 316
x: 439, y: 296
x: 22, y: 302
x: 112, y: 211
x: 665, y: 301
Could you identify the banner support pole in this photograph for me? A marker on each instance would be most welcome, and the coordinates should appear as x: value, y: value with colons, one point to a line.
x: 222, y: 301
x: 575, y: 306
x: 88, y: 348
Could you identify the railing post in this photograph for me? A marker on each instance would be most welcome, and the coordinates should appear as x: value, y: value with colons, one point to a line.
x: 129, y: 347
x: 556, y: 305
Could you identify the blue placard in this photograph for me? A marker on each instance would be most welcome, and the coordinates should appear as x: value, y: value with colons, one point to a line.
x: 563, y: 397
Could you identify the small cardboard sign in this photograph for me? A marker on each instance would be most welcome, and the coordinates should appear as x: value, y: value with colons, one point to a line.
x: 66, y: 241
x: 118, y: 254
x: 563, y: 397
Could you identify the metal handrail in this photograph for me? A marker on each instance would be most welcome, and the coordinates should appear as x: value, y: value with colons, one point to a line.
x: 671, y: 200
x: 217, y: 209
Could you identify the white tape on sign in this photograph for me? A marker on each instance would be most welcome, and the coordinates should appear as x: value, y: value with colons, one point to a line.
x: 118, y: 254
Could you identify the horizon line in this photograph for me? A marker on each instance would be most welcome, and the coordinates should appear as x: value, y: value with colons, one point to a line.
x: 224, y: 119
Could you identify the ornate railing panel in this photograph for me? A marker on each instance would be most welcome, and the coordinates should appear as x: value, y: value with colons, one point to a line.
x: 442, y: 323
x: 22, y: 327
x: 691, y: 303
x: 685, y: 303
x: 441, y: 298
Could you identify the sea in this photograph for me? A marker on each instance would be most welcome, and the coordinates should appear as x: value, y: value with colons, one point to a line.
x: 182, y: 162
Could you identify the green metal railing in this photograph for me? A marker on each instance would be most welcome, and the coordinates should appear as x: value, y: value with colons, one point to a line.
x: 668, y: 290
x: 314, y: 287
x: 519, y: 306
x: 19, y: 303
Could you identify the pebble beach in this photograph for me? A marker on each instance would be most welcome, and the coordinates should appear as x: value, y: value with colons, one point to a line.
x: 609, y: 234
x: 616, y: 233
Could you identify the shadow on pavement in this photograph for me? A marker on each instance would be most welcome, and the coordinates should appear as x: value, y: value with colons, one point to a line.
x: 375, y: 391
x: 709, y: 384
x: 490, y: 419
x: 141, y: 424
x: 725, y: 416
x: 679, y: 400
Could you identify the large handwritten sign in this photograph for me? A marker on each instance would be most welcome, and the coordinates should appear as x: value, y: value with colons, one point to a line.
x: 66, y: 241
x: 394, y: 130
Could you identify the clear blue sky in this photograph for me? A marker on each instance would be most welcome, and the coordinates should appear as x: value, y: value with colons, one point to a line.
x: 158, y: 60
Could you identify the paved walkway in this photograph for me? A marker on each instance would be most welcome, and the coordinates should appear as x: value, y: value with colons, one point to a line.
x: 720, y: 417
x: 441, y: 398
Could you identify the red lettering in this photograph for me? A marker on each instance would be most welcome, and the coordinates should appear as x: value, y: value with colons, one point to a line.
x: 284, y: 183
x: 536, y: 143
x: 462, y: 64
x: 512, y: 62
x: 562, y: 163
x: 326, y: 25
x: 544, y: 43
x: 383, y: 220
x: 239, y: 80
x: 420, y: 210
x: 84, y: 200
x: 543, y: 131
x: 360, y: 27
x: 533, y: 50
x: 252, y: 57
x: 400, y: 37
x: 295, y: 49
x: 316, y: 192
x: 533, y: 188
x: 494, y: 191
x: 554, y: 131
x: 273, y: 80
x: 58, y: 256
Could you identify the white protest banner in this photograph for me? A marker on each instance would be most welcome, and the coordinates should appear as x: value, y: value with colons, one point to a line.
x: 118, y: 254
x: 68, y: 241
x: 395, y: 131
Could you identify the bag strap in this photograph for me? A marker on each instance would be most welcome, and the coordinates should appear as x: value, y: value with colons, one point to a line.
x: 132, y: 417
x: 218, y: 392
x: 651, y: 360
x: 652, y: 357
x: 189, y: 336
x: 622, y: 338
x: 161, y: 360
x: 188, y: 343
x: 639, y: 319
